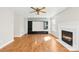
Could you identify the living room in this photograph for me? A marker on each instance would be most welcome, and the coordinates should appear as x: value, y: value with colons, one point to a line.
x: 60, y: 23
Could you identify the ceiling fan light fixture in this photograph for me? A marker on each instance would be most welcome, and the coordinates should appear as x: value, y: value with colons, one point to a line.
x: 38, y: 10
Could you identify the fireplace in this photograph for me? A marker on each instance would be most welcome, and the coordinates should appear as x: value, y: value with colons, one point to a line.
x: 67, y: 37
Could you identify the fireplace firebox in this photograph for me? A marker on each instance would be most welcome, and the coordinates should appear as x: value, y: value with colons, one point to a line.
x: 67, y: 37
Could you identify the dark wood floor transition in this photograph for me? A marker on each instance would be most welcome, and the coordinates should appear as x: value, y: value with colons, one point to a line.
x: 35, y: 43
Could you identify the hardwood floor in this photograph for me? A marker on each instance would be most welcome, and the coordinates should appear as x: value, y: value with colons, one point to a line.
x: 35, y: 43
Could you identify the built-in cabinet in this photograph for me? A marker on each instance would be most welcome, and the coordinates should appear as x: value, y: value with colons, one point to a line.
x: 37, y: 27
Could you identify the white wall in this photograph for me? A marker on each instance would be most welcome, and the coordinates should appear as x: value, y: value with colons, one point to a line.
x: 6, y: 26
x: 53, y: 26
x: 68, y: 18
x: 18, y: 25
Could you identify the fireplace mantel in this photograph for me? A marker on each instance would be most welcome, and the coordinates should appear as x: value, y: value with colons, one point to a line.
x: 75, y: 46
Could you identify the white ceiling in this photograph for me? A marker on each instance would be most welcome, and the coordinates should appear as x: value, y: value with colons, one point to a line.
x: 50, y: 11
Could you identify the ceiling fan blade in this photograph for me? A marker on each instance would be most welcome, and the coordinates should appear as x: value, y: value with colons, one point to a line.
x: 43, y: 11
x: 33, y: 8
x: 42, y: 8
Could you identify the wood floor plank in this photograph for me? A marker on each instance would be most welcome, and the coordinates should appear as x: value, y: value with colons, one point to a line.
x: 35, y: 43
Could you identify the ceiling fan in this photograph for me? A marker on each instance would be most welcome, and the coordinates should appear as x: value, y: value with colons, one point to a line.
x: 38, y: 10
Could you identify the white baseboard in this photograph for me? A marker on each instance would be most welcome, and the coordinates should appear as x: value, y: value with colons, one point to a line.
x: 18, y: 35
x: 6, y: 43
x: 67, y: 46
x: 54, y: 35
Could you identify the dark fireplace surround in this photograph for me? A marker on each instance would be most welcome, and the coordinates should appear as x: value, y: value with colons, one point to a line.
x: 67, y: 37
